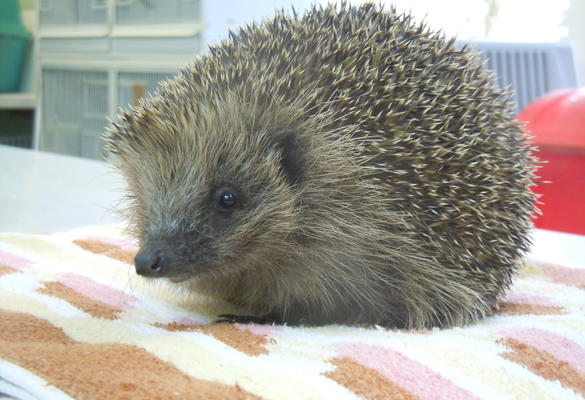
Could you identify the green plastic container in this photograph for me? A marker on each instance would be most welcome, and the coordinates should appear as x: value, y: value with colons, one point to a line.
x: 14, y: 40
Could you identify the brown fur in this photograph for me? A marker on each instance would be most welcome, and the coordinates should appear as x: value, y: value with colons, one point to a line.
x: 380, y: 176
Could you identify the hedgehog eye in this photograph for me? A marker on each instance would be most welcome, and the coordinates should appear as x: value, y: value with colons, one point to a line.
x: 227, y: 200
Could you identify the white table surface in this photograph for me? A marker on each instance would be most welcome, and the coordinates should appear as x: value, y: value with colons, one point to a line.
x: 43, y: 192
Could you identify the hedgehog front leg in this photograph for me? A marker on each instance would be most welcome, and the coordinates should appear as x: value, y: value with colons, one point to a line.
x: 246, y: 319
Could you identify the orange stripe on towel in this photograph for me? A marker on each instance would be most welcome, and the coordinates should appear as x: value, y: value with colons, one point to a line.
x: 4, y: 270
x: 366, y: 382
x: 240, y: 339
x: 544, y: 364
x: 94, y: 307
x: 562, y: 348
x: 518, y: 303
x: 111, y: 250
x: 511, y: 308
x: 100, y: 371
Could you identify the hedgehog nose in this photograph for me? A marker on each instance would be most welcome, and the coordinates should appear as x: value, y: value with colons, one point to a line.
x: 149, y: 263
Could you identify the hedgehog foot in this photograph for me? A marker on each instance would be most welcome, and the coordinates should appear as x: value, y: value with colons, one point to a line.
x: 244, y: 319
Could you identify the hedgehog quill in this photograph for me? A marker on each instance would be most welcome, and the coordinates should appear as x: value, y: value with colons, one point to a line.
x: 344, y: 166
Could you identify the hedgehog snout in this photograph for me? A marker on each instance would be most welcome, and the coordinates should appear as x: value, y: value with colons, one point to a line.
x: 150, y: 263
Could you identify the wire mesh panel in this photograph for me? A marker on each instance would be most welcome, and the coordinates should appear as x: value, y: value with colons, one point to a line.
x: 74, y: 112
x: 132, y: 86
x: 529, y: 69
x: 56, y: 13
x: 525, y: 71
x: 147, y: 12
x: 105, y: 36
x: 17, y: 141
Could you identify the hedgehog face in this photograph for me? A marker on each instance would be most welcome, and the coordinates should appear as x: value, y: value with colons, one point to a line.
x: 199, y: 204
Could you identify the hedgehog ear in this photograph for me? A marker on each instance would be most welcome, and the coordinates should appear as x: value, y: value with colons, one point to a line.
x: 291, y: 162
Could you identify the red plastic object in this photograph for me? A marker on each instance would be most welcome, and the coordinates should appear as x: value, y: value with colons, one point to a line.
x: 557, y: 123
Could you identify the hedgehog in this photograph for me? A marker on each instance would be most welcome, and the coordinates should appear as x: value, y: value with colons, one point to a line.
x: 344, y: 166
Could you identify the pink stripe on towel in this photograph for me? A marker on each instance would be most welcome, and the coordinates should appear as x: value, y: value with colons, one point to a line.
x: 571, y: 276
x: 97, y: 291
x: 524, y: 298
x: 260, y: 329
x: 187, y: 321
x: 405, y: 372
x: 558, y: 346
x: 12, y: 260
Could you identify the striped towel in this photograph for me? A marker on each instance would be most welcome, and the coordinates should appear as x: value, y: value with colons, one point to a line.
x: 76, y: 322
